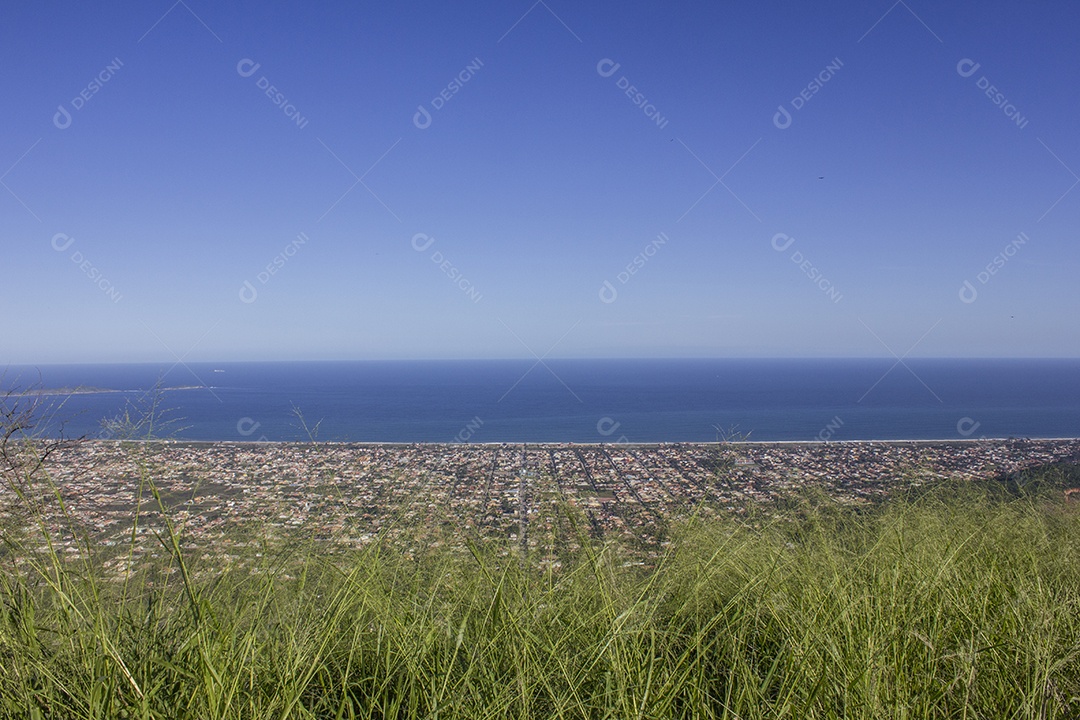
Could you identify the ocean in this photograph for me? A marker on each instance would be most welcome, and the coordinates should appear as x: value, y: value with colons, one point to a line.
x: 584, y: 401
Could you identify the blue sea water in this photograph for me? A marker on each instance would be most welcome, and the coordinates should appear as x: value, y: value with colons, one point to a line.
x: 577, y: 400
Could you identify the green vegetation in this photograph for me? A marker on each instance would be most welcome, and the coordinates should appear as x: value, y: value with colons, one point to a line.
x: 963, y: 601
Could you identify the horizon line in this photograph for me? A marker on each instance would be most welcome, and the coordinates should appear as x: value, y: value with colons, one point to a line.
x: 523, y: 358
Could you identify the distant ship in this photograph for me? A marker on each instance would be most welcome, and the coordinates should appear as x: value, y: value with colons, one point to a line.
x: 219, y: 371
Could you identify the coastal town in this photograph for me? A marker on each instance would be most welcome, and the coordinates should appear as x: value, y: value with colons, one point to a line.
x: 542, y: 498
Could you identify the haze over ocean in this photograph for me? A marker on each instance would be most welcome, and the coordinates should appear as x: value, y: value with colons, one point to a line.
x: 585, y: 400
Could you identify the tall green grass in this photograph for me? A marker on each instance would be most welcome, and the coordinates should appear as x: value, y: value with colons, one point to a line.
x: 962, y: 602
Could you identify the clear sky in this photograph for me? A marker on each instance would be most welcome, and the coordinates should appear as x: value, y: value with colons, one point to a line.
x: 506, y: 179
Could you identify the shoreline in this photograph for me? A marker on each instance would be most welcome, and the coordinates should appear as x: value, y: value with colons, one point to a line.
x: 563, y: 444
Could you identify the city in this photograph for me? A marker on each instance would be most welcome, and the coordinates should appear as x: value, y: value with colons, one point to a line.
x: 543, y: 499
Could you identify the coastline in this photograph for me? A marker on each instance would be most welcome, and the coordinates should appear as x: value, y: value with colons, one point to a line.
x: 643, y: 444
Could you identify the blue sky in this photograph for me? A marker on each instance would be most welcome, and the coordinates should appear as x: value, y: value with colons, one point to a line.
x: 429, y: 180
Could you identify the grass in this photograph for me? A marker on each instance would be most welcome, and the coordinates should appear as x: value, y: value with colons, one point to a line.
x: 961, y: 602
